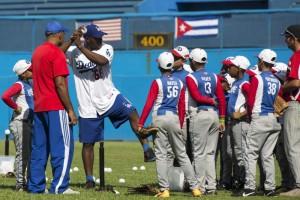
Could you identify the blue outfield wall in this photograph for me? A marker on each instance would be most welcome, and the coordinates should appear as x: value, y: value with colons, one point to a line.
x: 132, y: 72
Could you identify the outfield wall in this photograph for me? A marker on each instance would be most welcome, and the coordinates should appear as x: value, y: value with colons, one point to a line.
x: 132, y: 71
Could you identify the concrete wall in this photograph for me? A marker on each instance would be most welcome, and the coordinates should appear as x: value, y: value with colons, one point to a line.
x: 133, y: 72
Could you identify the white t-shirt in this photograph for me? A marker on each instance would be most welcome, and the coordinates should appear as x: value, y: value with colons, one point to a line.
x: 93, y: 95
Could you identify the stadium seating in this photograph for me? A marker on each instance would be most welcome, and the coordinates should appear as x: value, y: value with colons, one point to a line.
x: 60, y: 7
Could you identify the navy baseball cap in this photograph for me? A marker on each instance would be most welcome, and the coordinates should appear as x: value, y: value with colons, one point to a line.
x: 55, y: 27
x: 292, y: 30
x: 94, y: 31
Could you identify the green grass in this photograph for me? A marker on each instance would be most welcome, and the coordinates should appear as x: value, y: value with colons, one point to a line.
x: 121, y: 157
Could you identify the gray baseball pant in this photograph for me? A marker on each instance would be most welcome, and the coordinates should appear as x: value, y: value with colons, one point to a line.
x: 170, y: 135
x: 204, y: 130
x: 287, y: 179
x: 239, y: 132
x: 21, y: 130
x: 291, y: 130
x: 261, y: 140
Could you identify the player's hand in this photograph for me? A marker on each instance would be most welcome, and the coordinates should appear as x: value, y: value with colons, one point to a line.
x: 72, y: 117
x: 18, y: 110
x: 215, y: 102
x: 222, y: 125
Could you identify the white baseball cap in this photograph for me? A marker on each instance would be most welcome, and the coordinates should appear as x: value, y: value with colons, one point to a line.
x: 181, y: 51
x: 240, y: 61
x: 198, y: 55
x: 165, y: 60
x: 268, y: 56
x: 21, y: 66
x: 280, y: 69
x: 253, y: 70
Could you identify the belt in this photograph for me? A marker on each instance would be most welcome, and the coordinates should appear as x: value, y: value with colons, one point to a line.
x: 205, y: 109
x: 164, y: 112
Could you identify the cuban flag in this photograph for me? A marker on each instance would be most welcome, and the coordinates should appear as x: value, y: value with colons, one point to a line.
x: 196, y: 26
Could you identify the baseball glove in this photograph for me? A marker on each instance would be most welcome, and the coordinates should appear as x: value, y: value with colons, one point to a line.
x: 280, y: 105
x: 147, y: 131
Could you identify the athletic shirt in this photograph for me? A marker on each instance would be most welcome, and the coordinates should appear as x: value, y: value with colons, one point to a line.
x: 20, y: 95
x: 206, y: 84
x: 95, y: 90
x: 294, y: 74
x: 166, y: 94
x: 237, y: 96
x: 263, y: 90
x: 181, y: 75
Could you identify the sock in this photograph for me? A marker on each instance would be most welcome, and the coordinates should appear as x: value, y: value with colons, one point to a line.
x: 90, y: 178
x: 146, y: 147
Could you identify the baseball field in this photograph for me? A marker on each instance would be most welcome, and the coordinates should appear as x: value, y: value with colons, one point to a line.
x: 121, y: 157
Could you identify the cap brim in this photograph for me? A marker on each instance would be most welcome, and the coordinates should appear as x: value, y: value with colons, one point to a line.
x: 174, y: 52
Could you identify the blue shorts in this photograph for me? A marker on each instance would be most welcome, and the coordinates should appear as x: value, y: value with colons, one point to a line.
x: 91, y: 130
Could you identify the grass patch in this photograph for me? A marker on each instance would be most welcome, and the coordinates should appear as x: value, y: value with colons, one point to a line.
x: 121, y: 157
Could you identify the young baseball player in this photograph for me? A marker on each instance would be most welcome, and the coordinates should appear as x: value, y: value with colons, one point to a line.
x: 236, y: 110
x: 291, y: 93
x: 181, y: 54
x: 20, y: 98
x: 205, y: 122
x: 225, y: 143
x: 264, y: 128
x: 167, y: 96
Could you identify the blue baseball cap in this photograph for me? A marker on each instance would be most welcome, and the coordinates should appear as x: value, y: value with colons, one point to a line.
x: 55, y: 27
x: 94, y: 31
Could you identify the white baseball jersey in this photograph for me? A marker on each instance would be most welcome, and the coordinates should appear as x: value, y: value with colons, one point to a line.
x: 95, y: 90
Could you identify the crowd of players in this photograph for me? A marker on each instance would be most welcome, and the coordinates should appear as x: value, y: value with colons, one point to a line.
x: 196, y: 113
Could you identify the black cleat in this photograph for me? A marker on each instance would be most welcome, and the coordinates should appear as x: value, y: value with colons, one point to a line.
x: 270, y: 193
x: 149, y: 155
x: 89, y: 185
x: 210, y: 192
x: 248, y: 192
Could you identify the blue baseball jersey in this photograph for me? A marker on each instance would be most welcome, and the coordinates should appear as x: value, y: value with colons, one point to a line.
x: 181, y: 74
x: 264, y: 90
x: 169, y: 88
x: 237, y: 99
x: 206, y: 83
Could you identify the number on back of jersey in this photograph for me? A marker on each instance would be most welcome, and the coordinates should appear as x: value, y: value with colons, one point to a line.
x: 272, y: 88
x: 207, y: 87
x: 172, y: 91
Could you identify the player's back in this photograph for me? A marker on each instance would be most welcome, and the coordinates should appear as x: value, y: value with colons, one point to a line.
x: 267, y: 90
x: 169, y: 89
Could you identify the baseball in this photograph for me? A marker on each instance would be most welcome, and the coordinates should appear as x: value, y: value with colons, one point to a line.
x: 121, y: 180
x: 83, y: 30
x: 7, y: 132
x: 109, y: 170
x: 47, y: 179
x: 97, y: 180
x: 142, y: 168
x: 134, y: 168
x: 75, y: 169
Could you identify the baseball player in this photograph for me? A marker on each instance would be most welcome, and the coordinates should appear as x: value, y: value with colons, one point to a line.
x: 264, y: 128
x: 97, y: 96
x: 205, y: 122
x: 238, y: 115
x: 19, y: 97
x: 181, y: 55
x: 291, y: 93
x: 287, y: 180
x: 225, y: 143
x: 167, y: 96
x: 53, y: 115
